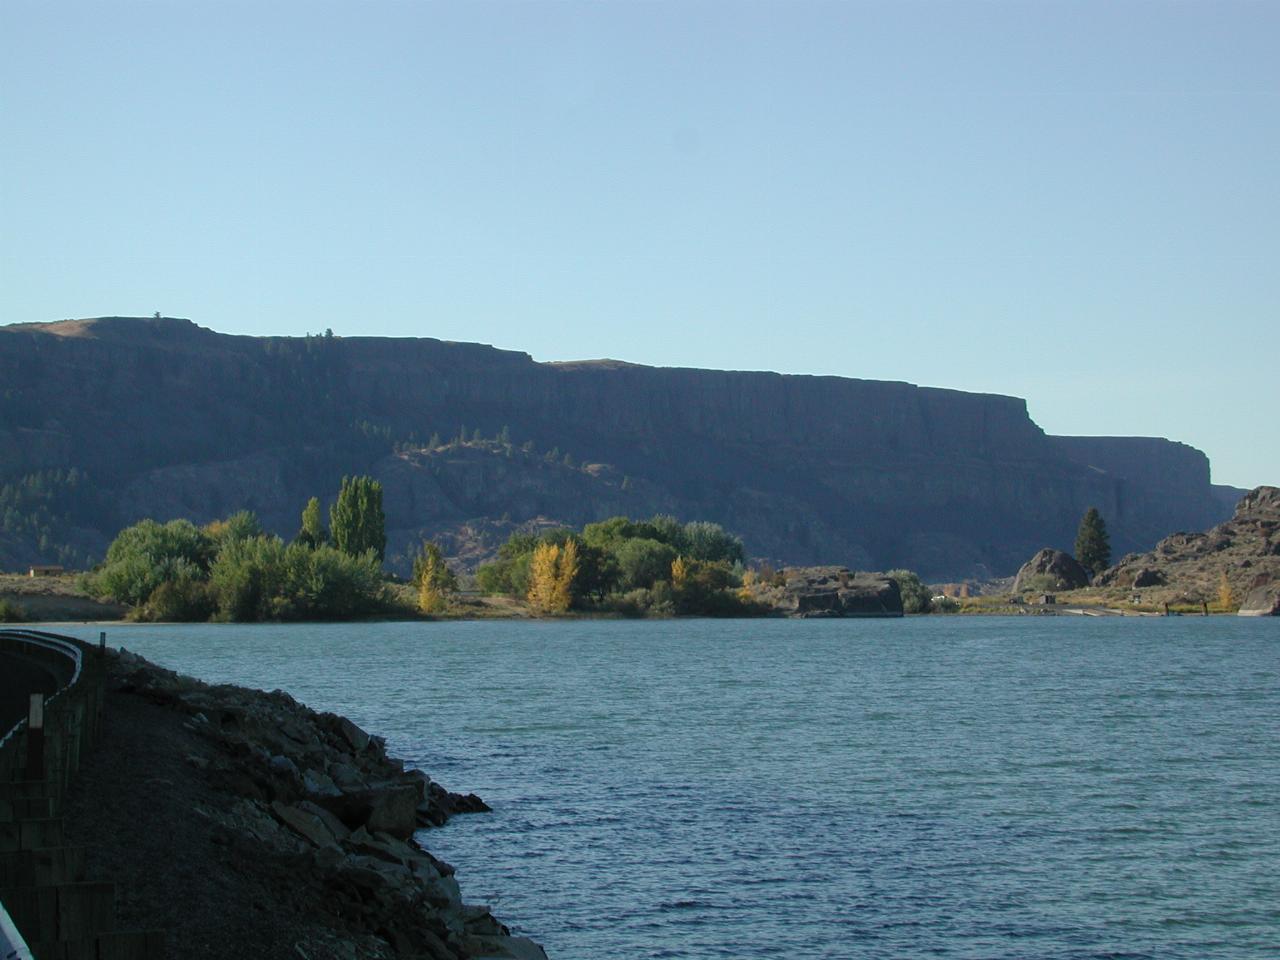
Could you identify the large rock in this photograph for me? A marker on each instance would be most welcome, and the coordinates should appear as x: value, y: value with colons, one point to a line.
x: 1051, y: 570
x: 832, y: 592
x: 1262, y: 601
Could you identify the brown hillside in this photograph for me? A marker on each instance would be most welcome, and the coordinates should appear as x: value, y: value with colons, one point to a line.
x: 1190, y: 566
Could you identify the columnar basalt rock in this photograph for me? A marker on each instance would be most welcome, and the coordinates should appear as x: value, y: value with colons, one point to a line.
x: 171, y: 419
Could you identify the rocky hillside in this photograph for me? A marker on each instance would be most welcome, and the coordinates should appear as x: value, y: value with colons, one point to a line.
x: 1190, y: 567
x: 163, y: 418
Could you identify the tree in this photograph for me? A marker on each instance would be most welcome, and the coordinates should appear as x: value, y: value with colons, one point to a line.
x: 1226, y: 596
x: 356, y: 519
x: 313, y: 533
x: 1093, y: 548
x: 642, y: 562
x: 147, y: 554
x: 435, y: 581
x: 552, y: 570
x: 916, y: 597
x: 239, y: 526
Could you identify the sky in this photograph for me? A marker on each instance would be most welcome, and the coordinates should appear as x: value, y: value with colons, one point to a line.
x: 1074, y: 203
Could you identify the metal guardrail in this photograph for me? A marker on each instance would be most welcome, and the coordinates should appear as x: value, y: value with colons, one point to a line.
x: 46, y: 641
x: 12, y: 946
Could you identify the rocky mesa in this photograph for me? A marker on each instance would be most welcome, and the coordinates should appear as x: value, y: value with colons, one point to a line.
x: 164, y: 418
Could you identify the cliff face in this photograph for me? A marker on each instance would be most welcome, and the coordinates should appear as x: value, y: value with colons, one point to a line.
x: 168, y: 418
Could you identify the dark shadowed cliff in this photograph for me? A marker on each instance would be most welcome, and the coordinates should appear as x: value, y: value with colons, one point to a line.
x: 165, y: 418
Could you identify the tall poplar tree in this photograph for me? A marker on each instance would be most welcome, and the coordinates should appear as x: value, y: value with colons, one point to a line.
x: 356, y: 520
x: 1093, y: 547
x: 313, y: 533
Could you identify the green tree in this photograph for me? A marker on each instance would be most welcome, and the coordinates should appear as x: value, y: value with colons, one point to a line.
x: 712, y: 543
x: 239, y: 526
x: 312, y: 533
x: 356, y: 519
x: 1093, y: 548
x: 916, y: 596
x: 147, y: 554
x: 642, y: 561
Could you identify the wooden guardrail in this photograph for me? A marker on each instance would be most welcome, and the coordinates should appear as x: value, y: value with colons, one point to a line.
x: 58, y: 912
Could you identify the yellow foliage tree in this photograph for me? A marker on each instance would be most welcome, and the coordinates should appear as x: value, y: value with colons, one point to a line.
x: 436, y: 582
x: 431, y: 598
x: 552, y: 570
x: 1226, y: 598
x: 679, y: 574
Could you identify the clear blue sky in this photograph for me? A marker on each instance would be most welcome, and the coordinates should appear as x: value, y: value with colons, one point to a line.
x: 1076, y: 203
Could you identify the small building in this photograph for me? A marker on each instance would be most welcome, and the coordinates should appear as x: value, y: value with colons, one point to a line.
x: 1048, y: 599
x: 46, y: 570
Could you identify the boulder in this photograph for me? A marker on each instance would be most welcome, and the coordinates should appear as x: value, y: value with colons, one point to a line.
x: 304, y: 823
x: 1051, y: 570
x: 388, y: 807
x: 1146, y: 577
x: 814, y: 592
x: 1262, y: 601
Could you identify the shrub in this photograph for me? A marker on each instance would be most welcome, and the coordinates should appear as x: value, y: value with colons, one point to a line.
x: 185, y: 599
x: 11, y: 612
x: 916, y: 596
x: 147, y: 554
x: 643, y: 562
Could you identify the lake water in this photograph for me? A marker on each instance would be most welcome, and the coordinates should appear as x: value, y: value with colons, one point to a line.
x: 930, y: 787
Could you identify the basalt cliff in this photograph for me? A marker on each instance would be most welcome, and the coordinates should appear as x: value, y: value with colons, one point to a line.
x: 121, y: 418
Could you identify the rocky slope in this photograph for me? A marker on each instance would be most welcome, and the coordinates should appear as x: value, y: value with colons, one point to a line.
x: 168, y: 418
x: 1191, y: 567
x: 243, y: 824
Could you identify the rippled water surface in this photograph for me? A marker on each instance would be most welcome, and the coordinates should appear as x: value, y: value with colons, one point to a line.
x: 946, y: 787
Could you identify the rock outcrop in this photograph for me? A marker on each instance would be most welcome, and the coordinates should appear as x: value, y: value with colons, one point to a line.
x: 1240, y: 557
x: 171, y: 419
x: 1262, y: 600
x: 829, y: 592
x: 1051, y: 570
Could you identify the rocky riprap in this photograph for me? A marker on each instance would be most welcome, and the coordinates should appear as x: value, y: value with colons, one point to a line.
x: 246, y: 825
x: 1191, y: 566
x: 828, y: 592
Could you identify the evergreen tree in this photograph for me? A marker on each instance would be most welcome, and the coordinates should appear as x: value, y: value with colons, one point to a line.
x: 313, y: 533
x: 356, y: 519
x: 1093, y: 548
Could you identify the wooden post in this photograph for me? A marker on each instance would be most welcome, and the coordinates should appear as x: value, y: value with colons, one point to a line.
x: 35, y: 737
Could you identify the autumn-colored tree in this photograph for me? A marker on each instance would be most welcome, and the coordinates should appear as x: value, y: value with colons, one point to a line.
x: 435, y: 581
x: 1226, y: 597
x: 551, y: 574
x: 679, y: 574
